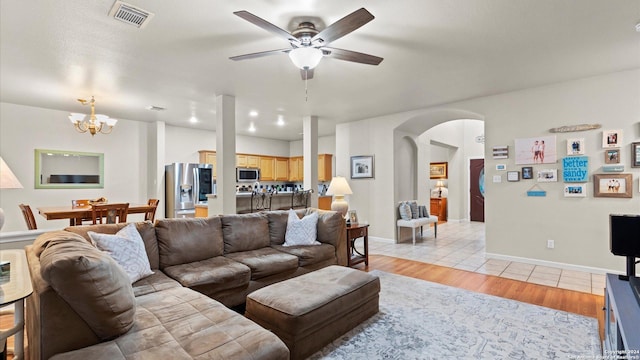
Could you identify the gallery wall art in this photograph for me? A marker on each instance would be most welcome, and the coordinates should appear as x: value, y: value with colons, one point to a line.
x: 538, y: 150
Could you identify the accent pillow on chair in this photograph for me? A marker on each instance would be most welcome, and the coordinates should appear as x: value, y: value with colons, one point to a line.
x: 127, y: 249
x: 414, y: 209
x: 301, y: 231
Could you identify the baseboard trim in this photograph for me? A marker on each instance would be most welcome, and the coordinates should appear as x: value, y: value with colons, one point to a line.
x: 19, y: 236
x: 564, y: 266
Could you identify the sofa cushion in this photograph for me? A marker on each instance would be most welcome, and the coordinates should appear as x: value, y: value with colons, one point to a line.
x: 179, y: 323
x: 245, y: 232
x: 219, y: 273
x: 158, y: 281
x: 127, y: 249
x: 309, y: 255
x: 266, y: 261
x: 330, y: 226
x: 145, y: 228
x: 182, y: 241
x: 301, y: 231
x: 91, y: 282
x: 405, y: 210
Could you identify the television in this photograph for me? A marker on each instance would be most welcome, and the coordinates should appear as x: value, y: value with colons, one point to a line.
x: 624, y: 239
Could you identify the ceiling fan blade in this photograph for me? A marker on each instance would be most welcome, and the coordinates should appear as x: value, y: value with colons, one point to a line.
x: 259, y: 54
x: 267, y: 26
x: 343, y: 26
x: 348, y: 55
x: 306, y: 74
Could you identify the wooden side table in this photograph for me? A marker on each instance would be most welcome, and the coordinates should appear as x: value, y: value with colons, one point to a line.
x: 14, y: 289
x: 354, y: 232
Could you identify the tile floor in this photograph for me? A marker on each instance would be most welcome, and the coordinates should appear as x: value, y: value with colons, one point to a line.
x: 462, y: 246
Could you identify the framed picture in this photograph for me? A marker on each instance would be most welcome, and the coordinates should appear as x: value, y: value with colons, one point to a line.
x: 575, y: 169
x: 635, y: 154
x: 353, y: 217
x: 501, y: 152
x: 527, y: 172
x: 575, y: 146
x: 538, y: 150
x: 611, y: 138
x: 575, y: 190
x: 612, y: 156
x: 362, y: 167
x: 548, y: 175
x: 513, y: 175
x: 501, y: 167
x: 438, y: 170
x: 612, y: 185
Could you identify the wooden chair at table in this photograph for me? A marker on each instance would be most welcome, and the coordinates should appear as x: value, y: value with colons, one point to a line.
x: 81, y: 203
x: 150, y: 215
x: 301, y: 199
x: 28, y: 216
x: 112, y: 213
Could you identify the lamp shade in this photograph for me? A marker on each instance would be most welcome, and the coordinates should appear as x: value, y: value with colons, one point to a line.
x: 7, y: 179
x: 439, y: 183
x: 339, y: 186
x: 305, y: 57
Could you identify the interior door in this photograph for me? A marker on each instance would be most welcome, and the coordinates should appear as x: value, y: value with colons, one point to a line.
x: 476, y: 180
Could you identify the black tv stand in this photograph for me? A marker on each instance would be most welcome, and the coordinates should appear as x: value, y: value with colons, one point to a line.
x: 622, y: 316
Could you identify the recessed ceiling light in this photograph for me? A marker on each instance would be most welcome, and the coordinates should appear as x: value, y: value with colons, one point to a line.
x: 280, y: 120
x: 252, y: 128
x: 193, y: 119
x: 638, y: 27
x: 253, y: 113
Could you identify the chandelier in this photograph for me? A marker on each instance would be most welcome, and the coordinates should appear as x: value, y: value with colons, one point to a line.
x: 95, y: 124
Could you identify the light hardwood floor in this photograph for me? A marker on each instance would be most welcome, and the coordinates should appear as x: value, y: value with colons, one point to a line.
x: 560, y: 299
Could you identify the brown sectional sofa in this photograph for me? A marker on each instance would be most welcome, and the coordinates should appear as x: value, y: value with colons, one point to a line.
x: 83, y: 305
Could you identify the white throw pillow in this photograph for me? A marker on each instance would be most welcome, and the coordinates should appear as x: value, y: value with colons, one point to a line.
x: 126, y: 247
x: 301, y: 231
x: 405, y: 211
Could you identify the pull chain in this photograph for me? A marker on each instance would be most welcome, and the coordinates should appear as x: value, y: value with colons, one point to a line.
x: 306, y: 89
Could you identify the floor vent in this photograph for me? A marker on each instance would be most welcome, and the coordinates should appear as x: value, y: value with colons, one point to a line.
x: 130, y: 14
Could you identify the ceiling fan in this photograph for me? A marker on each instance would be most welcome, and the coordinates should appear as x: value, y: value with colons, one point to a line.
x: 309, y: 46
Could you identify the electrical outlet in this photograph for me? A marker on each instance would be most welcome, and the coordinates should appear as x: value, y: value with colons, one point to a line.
x: 550, y: 244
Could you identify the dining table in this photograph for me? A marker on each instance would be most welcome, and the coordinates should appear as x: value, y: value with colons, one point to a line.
x: 76, y: 214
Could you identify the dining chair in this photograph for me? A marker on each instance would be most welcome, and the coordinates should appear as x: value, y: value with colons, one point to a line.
x: 81, y: 203
x: 28, y: 217
x: 150, y: 215
x: 111, y: 213
x: 300, y: 199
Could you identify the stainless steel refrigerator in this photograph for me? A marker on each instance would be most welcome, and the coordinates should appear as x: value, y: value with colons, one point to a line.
x: 187, y: 184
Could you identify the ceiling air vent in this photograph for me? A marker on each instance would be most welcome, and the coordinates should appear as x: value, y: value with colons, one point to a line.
x: 130, y: 14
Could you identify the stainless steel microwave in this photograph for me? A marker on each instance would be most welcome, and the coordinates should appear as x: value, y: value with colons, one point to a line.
x: 247, y: 174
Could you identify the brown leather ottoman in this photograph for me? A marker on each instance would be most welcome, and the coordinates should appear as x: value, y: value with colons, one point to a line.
x: 309, y: 311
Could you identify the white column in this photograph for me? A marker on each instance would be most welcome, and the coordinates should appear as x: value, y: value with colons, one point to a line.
x: 156, y: 161
x: 225, y: 202
x: 310, y: 153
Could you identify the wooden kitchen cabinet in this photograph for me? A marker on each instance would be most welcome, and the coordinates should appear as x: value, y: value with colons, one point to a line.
x: 208, y: 157
x: 248, y: 161
x: 296, y: 168
x: 439, y: 208
x: 281, y: 169
x: 267, y: 168
x: 324, y: 167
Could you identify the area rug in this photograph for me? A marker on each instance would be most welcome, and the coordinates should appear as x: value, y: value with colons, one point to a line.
x: 424, y: 320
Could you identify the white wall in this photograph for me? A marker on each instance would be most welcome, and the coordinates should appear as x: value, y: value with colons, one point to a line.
x: 517, y: 225
x: 24, y: 129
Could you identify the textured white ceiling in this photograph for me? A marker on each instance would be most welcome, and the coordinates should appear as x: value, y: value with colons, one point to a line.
x: 435, y: 51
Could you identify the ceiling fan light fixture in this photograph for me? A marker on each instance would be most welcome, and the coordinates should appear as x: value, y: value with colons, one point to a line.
x: 305, y: 57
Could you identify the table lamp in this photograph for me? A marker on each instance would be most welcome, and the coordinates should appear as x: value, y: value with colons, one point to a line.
x: 440, y: 185
x: 339, y: 188
x: 7, y: 181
